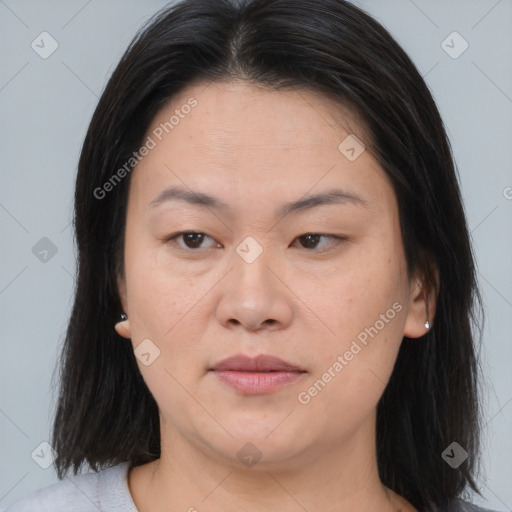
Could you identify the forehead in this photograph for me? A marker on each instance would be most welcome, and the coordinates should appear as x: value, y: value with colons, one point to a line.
x: 235, y: 113
x: 244, y: 140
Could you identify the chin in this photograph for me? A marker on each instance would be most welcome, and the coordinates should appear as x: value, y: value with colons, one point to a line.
x: 261, y: 454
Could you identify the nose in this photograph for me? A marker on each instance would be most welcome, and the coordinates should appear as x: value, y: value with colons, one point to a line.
x: 255, y: 296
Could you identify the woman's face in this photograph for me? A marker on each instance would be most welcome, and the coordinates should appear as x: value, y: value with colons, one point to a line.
x: 335, y: 306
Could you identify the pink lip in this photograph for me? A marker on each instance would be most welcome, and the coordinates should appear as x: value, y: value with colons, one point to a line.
x: 254, y: 376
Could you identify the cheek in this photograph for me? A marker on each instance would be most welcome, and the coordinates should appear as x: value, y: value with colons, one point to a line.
x: 161, y: 295
x: 363, y: 306
x: 357, y: 292
x: 351, y: 376
x: 167, y: 308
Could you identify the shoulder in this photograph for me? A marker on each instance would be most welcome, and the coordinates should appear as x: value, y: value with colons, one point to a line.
x: 105, y: 490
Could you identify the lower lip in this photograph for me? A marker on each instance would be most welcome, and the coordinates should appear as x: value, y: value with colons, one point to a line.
x: 257, y: 383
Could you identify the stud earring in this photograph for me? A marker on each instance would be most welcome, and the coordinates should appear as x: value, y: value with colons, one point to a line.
x: 427, y: 323
x: 124, y: 317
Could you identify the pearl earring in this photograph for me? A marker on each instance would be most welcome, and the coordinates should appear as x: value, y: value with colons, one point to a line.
x: 427, y: 325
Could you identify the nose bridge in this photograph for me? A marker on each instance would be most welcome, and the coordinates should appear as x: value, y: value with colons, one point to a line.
x: 254, y: 296
x: 252, y: 275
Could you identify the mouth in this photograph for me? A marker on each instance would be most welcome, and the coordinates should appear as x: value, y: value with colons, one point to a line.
x: 256, y: 376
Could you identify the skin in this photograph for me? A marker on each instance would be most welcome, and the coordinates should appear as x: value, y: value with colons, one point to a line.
x: 255, y: 149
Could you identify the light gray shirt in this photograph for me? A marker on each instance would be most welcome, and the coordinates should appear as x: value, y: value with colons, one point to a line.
x: 107, y: 491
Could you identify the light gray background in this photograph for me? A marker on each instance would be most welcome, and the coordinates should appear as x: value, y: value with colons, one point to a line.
x: 46, y: 105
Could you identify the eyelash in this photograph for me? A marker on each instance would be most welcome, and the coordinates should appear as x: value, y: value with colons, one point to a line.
x: 175, y: 236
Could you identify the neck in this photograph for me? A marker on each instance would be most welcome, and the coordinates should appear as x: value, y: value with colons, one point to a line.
x: 192, y: 478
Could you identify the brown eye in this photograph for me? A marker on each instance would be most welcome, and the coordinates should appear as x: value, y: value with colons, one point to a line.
x: 191, y: 239
x: 311, y: 240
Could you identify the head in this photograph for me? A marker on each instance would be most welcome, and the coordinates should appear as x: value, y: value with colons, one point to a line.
x: 261, y: 106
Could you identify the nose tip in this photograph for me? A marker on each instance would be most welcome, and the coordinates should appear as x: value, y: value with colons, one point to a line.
x: 253, y: 297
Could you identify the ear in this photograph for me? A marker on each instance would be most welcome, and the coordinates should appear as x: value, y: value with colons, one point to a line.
x: 422, y: 306
x: 121, y: 290
x: 123, y: 327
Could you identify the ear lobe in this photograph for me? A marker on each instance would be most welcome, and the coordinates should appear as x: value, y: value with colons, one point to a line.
x: 123, y: 329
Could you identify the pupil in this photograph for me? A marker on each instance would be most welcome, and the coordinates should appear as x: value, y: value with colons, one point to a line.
x: 309, y: 238
x: 192, y: 237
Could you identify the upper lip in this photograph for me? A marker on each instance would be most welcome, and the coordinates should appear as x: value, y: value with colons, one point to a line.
x: 260, y: 363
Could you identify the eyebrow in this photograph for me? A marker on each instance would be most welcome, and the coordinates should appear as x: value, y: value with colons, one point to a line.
x: 333, y: 196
